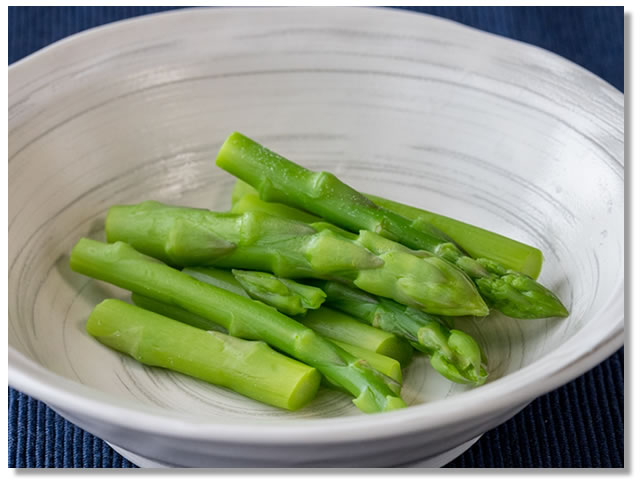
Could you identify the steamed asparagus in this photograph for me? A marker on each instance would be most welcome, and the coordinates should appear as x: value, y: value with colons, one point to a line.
x: 452, y: 353
x: 247, y: 367
x: 256, y: 241
x: 386, y: 365
x: 336, y: 325
x: 328, y: 322
x: 176, y: 313
x: 280, y: 180
x: 476, y: 241
x: 382, y: 350
x: 288, y: 296
x: 122, y: 265
x: 251, y: 202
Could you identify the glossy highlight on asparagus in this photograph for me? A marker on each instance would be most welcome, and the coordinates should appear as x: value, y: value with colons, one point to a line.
x: 122, y: 265
x: 321, y: 193
x: 253, y: 240
x: 250, y: 368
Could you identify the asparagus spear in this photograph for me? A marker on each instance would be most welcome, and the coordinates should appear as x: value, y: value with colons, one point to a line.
x: 386, y: 365
x: 280, y: 180
x: 120, y: 264
x: 218, y: 278
x: 251, y: 202
x: 327, y: 322
x: 240, y: 189
x: 257, y: 241
x: 176, y: 313
x: 452, y: 353
x: 476, y: 241
x: 247, y: 367
x: 288, y: 296
x: 426, y: 332
x: 336, y: 325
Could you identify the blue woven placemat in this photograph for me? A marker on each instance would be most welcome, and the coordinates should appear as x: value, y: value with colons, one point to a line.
x: 578, y: 425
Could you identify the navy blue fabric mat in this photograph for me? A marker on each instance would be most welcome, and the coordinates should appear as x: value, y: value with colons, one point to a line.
x: 578, y: 425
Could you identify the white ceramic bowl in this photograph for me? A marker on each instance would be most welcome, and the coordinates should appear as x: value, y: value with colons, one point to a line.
x: 415, y: 108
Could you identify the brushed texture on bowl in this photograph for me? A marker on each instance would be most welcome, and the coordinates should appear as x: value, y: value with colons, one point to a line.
x: 414, y: 108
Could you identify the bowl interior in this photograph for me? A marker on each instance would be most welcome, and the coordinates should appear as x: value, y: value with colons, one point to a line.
x: 439, y: 118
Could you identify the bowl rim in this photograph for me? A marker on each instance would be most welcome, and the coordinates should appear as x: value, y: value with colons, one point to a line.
x: 508, y: 392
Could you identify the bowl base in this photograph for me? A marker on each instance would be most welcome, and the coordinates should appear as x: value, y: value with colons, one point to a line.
x: 431, y: 462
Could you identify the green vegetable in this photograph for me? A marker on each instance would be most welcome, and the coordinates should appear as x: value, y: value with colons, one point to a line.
x: 325, y: 321
x: 349, y: 330
x: 453, y: 353
x: 120, y: 264
x: 251, y: 202
x: 427, y: 333
x: 288, y: 296
x: 240, y: 189
x: 176, y: 313
x: 344, y: 328
x: 476, y: 241
x: 247, y: 367
x: 280, y: 180
x: 218, y: 278
x: 386, y: 365
x: 290, y: 249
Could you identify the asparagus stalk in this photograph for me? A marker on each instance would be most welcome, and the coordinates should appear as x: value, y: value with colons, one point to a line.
x: 386, y: 365
x: 366, y: 340
x: 120, y: 264
x: 287, y: 296
x: 336, y: 325
x: 247, y: 367
x: 280, y: 180
x: 218, y: 278
x: 291, y: 249
x: 251, y: 202
x: 325, y: 321
x: 452, y: 353
x: 476, y: 241
x: 176, y: 313
x: 240, y: 189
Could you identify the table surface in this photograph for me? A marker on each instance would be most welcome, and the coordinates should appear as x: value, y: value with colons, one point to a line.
x: 578, y: 425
